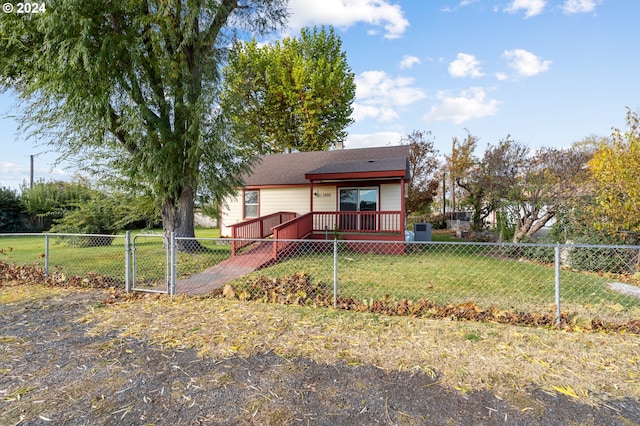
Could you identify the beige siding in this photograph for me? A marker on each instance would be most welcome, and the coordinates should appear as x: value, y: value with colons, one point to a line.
x: 294, y: 199
x: 390, y: 197
x: 271, y: 200
x: 231, y: 213
x: 390, y: 200
x: 325, y: 201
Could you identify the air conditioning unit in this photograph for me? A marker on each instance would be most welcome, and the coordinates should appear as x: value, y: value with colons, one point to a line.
x: 422, y: 232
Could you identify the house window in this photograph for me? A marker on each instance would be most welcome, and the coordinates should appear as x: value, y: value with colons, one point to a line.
x: 250, y: 204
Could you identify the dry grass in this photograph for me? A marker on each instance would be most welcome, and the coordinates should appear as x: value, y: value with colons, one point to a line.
x: 467, y: 356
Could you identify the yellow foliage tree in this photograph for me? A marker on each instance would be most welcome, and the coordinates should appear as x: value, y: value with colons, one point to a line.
x: 615, y: 168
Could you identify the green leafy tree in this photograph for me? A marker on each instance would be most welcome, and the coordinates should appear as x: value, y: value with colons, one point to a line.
x: 294, y: 95
x: 132, y: 85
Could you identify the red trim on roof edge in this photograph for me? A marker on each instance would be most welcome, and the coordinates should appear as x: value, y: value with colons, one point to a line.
x: 357, y: 175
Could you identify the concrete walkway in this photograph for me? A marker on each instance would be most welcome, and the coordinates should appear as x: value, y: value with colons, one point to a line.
x: 629, y: 290
x: 217, y: 276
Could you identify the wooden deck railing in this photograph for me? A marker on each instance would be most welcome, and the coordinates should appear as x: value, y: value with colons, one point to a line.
x: 363, y: 221
x: 286, y: 226
x: 295, y: 229
x: 258, y: 228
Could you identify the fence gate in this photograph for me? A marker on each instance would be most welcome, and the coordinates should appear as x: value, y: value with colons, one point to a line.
x: 151, y: 263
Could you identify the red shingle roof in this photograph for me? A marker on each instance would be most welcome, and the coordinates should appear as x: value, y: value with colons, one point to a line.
x: 290, y: 169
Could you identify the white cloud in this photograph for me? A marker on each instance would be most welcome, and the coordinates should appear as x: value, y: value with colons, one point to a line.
x: 532, y: 7
x: 465, y: 66
x: 381, y: 113
x: 463, y: 3
x: 377, y: 94
x: 345, y: 13
x: 14, y: 175
x: 409, y: 61
x: 468, y: 104
x: 372, y: 140
x: 579, y: 6
x: 501, y: 76
x: 377, y: 87
x: 526, y: 63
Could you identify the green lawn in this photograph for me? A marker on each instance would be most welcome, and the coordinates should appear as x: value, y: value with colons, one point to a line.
x: 444, y: 236
x: 458, y: 274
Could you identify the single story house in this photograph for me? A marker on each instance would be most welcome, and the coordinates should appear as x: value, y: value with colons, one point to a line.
x: 356, y: 193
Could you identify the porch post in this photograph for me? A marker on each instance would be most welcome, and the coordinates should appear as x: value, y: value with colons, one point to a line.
x: 233, y: 241
x: 311, y: 197
x: 403, y: 207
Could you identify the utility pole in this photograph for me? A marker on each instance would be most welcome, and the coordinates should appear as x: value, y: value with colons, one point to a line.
x: 31, y: 172
x: 444, y: 195
x: 454, y: 172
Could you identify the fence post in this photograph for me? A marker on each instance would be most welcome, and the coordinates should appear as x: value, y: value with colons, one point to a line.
x: 335, y: 273
x: 557, y: 269
x: 127, y: 262
x: 173, y: 261
x: 46, y: 255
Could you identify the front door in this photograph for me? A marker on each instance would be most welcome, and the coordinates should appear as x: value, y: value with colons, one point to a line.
x: 360, y: 201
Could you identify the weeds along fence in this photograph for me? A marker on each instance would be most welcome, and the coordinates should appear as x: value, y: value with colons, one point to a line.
x: 586, y: 281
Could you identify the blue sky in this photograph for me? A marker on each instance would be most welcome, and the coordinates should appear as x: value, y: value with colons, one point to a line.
x: 546, y: 72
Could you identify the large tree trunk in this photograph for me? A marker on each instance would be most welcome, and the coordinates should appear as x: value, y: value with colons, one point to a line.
x: 531, y: 225
x: 477, y: 218
x: 178, y: 218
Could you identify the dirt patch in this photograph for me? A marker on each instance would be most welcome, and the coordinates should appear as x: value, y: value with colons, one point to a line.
x: 63, y: 362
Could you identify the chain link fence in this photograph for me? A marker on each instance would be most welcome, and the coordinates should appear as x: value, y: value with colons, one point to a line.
x: 582, y: 282
x: 97, y: 258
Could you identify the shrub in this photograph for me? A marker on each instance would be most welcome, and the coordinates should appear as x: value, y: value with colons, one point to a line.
x: 11, y: 213
x: 98, y: 215
x: 579, y: 227
x: 47, y: 201
x: 617, y: 261
x: 505, y: 226
x: 437, y: 221
x: 106, y: 213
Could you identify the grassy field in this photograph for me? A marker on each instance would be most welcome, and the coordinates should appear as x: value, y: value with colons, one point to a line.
x: 467, y: 355
x: 70, y: 358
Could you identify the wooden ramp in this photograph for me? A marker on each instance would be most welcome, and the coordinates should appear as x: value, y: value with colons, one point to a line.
x: 217, y: 276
